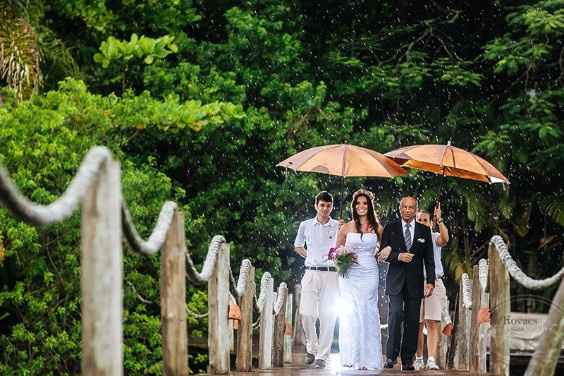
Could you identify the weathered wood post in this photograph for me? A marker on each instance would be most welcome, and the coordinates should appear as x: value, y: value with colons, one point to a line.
x: 101, y: 274
x: 218, y: 305
x: 544, y: 359
x: 500, y: 307
x: 462, y: 332
x: 173, y: 296
x: 266, y: 322
x: 279, y: 326
x: 244, y: 359
x: 484, y: 326
x: 288, y: 330
x: 298, y: 334
x: 475, y: 325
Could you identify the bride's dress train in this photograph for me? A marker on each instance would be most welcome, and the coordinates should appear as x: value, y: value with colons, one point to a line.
x: 359, y: 330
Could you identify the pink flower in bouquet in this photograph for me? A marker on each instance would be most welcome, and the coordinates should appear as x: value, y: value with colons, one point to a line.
x: 343, y: 258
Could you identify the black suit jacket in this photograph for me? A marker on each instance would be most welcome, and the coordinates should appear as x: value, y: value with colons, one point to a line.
x: 402, y: 274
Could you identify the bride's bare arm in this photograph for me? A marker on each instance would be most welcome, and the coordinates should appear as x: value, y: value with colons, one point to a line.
x: 380, y: 230
x: 342, y: 235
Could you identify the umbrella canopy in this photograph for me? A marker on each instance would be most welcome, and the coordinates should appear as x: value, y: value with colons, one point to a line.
x: 343, y: 160
x: 447, y: 160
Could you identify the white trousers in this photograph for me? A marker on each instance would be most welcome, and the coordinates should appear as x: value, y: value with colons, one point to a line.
x: 320, y: 291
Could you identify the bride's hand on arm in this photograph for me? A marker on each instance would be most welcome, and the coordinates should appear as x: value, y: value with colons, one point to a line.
x: 384, y: 253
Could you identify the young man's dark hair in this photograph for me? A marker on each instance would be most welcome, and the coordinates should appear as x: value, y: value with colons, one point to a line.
x: 323, y: 196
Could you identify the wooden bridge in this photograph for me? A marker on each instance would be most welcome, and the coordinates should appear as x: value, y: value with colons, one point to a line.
x: 96, y: 189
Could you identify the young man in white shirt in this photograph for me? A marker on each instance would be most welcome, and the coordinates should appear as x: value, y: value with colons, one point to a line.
x: 431, y: 307
x: 320, y: 288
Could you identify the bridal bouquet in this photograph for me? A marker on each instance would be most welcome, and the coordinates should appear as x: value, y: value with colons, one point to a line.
x: 343, y: 259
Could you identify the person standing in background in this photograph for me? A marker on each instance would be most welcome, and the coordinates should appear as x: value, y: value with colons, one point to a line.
x: 431, y: 307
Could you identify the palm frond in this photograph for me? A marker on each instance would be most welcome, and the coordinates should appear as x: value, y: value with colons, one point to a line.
x: 20, y: 56
x: 553, y: 206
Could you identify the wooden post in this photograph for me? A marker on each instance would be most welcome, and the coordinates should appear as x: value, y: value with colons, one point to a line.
x: 101, y: 274
x: 499, y: 308
x: 288, y: 330
x: 218, y: 306
x: 474, y: 345
x: 266, y: 321
x: 244, y: 359
x: 173, y: 300
x: 545, y: 357
x: 461, y: 333
x: 484, y: 334
x: 298, y: 335
x: 279, y: 327
x: 484, y: 327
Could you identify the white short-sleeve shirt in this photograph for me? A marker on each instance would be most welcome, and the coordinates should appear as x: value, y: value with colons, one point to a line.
x: 317, y: 238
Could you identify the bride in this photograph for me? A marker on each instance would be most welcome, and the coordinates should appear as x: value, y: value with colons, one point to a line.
x: 359, y: 329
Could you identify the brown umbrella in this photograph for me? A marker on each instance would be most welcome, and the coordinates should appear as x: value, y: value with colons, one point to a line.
x: 343, y: 160
x: 448, y: 160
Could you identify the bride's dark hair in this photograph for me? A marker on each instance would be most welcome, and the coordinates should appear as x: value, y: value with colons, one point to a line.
x: 372, y: 217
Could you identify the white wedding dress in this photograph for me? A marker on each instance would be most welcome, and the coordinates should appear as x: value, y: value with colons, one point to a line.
x: 359, y: 329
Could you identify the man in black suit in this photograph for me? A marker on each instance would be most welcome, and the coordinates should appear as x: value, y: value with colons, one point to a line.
x: 411, y: 247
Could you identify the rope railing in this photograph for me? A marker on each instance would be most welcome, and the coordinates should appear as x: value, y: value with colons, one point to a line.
x: 545, y: 357
x: 266, y: 284
x: 516, y: 272
x: 486, y: 304
x: 157, y: 238
x: 466, y: 291
x: 243, y: 277
x: 69, y: 201
x: 201, y: 278
x: 483, y: 273
x: 96, y: 187
x: 280, y: 299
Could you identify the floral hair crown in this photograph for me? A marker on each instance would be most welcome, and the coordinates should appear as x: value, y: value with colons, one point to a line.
x: 364, y: 192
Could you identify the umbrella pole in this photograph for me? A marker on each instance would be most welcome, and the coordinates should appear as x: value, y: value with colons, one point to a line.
x: 443, y: 188
x: 342, y: 198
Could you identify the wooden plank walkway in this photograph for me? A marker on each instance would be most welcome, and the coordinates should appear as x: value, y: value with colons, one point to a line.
x: 299, y: 371
x: 333, y: 369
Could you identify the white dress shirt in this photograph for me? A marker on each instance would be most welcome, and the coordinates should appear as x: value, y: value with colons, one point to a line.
x: 318, y: 238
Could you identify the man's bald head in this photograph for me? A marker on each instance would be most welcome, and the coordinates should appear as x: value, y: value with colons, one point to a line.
x: 408, y: 208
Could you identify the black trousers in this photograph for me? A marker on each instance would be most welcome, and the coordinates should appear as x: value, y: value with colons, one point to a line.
x: 403, y: 310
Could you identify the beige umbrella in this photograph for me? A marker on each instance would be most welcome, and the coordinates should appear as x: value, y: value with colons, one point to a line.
x: 343, y: 160
x: 448, y: 160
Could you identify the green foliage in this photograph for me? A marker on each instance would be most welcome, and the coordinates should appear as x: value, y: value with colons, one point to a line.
x: 113, y: 50
x: 40, y: 277
x: 211, y: 96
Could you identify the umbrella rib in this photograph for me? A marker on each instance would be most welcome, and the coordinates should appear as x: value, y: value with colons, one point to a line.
x: 313, y: 155
x: 453, y: 159
x: 442, y: 165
